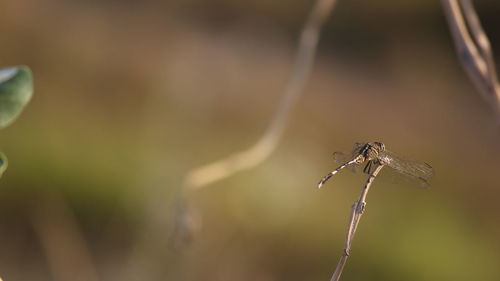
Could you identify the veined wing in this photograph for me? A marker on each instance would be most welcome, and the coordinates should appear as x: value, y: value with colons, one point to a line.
x: 342, y: 158
x: 350, y: 162
x: 419, y: 172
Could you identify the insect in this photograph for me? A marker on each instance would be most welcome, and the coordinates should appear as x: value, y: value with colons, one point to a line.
x: 373, y: 154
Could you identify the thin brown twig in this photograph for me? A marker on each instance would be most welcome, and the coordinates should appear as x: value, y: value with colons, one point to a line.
x: 473, y: 48
x: 267, y: 143
x: 358, y: 209
x: 200, y: 177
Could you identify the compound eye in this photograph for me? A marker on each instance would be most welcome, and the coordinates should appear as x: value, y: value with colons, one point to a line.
x: 380, y: 145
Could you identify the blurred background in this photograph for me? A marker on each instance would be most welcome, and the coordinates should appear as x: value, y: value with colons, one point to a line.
x: 131, y: 95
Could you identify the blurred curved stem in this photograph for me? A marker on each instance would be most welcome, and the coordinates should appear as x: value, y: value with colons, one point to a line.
x: 473, y: 48
x: 253, y: 156
x: 66, y: 250
x: 358, y: 209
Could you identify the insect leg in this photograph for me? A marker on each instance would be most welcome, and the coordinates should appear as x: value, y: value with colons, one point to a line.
x: 368, y: 167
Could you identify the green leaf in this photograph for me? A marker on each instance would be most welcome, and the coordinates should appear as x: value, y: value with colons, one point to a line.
x: 16, y: 89
x: 3, y: 163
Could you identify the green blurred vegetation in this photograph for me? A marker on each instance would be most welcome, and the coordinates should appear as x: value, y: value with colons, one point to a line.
x: 132, y: 95
x: 16, y: 89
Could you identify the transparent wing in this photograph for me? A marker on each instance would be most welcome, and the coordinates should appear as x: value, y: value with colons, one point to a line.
x: 342, y: 157
x: 418, y: 172
x: 357, y: 148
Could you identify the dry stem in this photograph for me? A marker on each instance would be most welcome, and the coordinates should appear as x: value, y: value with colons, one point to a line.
x: 267, y: 143
x: 357, y: 211
x: 473, y: 48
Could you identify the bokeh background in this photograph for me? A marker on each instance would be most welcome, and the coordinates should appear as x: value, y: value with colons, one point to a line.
x: 131, y: 95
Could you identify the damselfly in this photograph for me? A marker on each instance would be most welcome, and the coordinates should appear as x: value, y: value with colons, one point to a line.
x: 373, y: 154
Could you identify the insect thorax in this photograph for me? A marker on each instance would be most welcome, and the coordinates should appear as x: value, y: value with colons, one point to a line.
x: 371, y: 150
